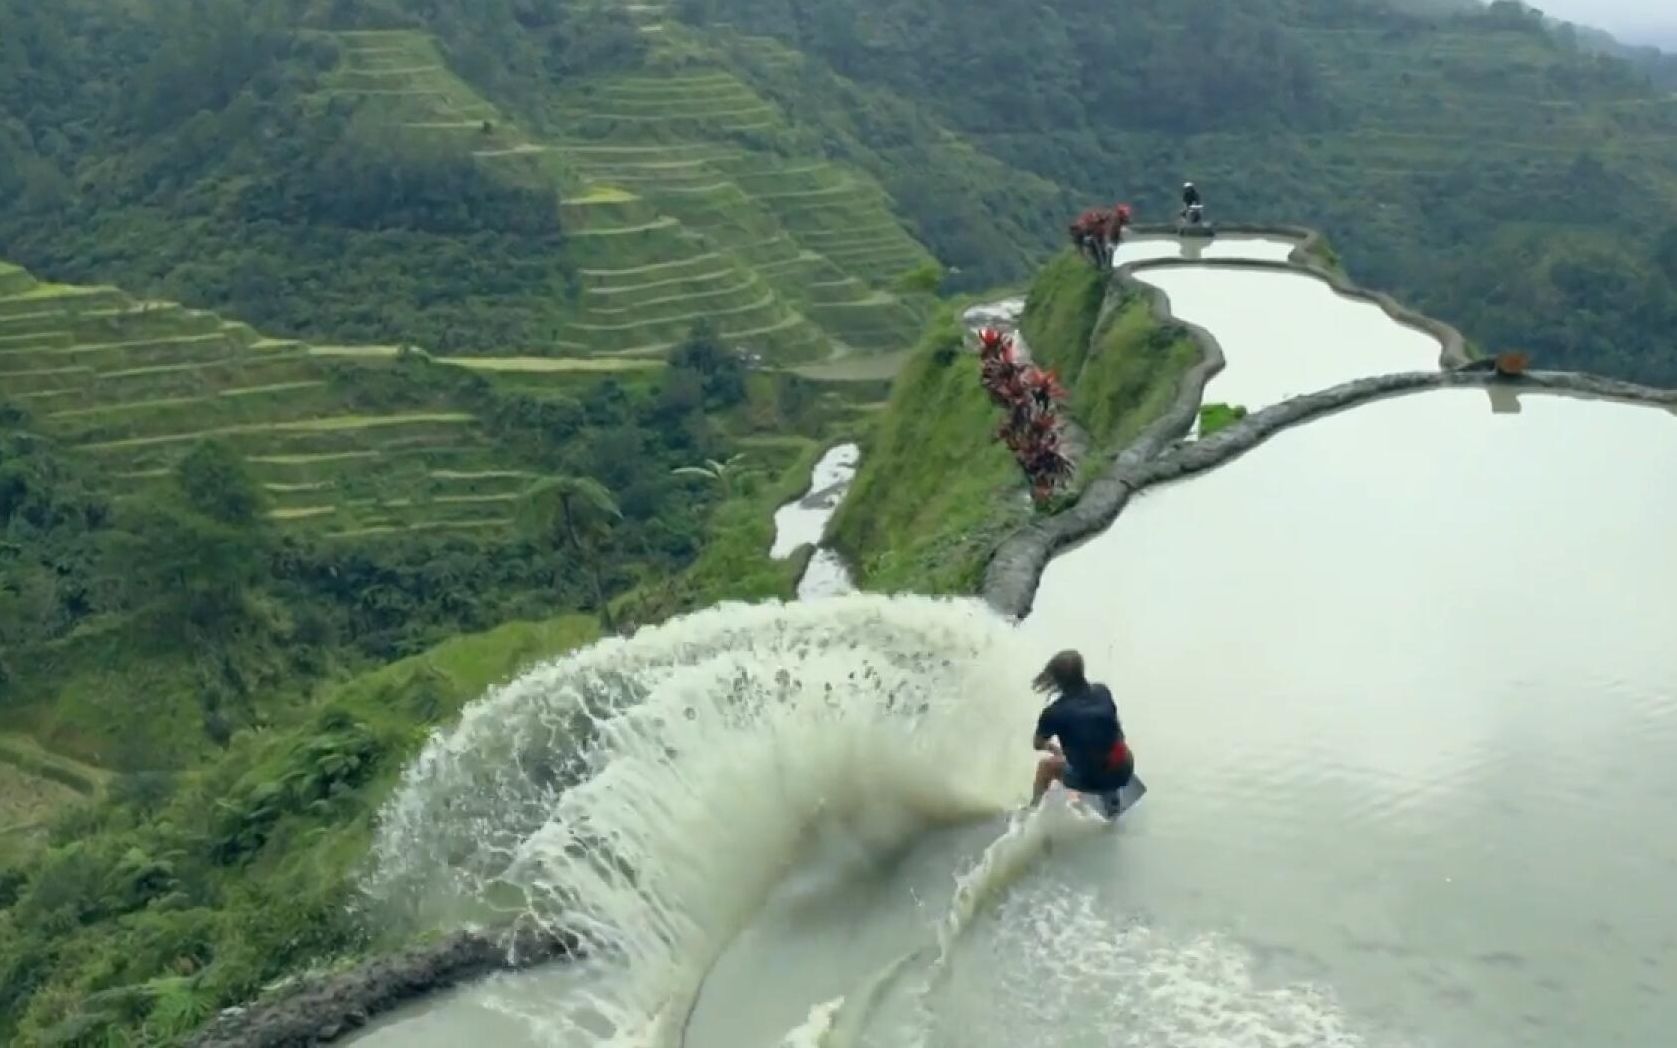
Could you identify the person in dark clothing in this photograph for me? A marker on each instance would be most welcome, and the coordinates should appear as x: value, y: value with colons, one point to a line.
x: 1190, y: 197
x: 1080, y: 732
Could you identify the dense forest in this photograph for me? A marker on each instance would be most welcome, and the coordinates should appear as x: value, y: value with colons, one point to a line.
x: 1493, y: 169
x: 184, y: 154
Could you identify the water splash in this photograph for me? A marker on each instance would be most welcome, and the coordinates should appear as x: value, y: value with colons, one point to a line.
x: 1029, y: 836
x: 1056, y: 958
x: 646, y: 794
x: 1051, y: 964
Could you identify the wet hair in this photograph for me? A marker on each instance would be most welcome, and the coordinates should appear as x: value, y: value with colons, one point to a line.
x: 1063, y: 673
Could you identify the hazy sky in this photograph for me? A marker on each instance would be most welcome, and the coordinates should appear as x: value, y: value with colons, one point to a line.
x: 1634, y: 21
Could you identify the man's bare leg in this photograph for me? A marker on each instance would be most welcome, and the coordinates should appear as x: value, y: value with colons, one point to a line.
x: 1049, y: 770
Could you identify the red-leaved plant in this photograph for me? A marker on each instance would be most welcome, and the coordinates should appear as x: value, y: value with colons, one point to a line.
x: 1030, y: 396
x: 1096, y: 232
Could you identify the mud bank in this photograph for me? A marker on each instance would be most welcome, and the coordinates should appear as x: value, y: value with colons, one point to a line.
x: 322, y: 1009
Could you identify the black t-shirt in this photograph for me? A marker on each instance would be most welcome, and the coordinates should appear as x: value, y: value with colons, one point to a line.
x: 1190, y: 197
x: 1086, y: 723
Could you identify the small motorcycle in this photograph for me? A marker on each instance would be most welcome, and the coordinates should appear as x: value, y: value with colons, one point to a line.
x: 1193, y: 222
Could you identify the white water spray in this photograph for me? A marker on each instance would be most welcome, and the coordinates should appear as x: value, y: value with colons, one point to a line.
x: 647, y: 794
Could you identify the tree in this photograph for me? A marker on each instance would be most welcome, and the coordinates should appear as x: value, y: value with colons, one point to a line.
x: 722, y: 372
x: 196, y: 573
x: 215, y: 482
x: 574, y: 514
x: 921, y: 280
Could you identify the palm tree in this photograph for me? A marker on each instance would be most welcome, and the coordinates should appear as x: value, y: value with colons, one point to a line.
x: 721, y: 472
x: 576, y: 514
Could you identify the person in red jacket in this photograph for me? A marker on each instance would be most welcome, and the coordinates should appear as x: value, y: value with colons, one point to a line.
x: 1117, y: 222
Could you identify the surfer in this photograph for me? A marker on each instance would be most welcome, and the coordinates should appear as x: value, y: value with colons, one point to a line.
x: 1080, y: 733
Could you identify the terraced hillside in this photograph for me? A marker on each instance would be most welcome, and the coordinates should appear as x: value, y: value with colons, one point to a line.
x: 677, y: 203
x: 133, y: 384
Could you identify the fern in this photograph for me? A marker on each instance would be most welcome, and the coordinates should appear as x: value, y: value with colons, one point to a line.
x: 179, y: 1005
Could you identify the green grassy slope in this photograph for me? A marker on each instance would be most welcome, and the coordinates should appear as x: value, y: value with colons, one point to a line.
x: 1135, y: 368
x: 1061, y: 311
x: 1120, y: 367
x: 936, y: 493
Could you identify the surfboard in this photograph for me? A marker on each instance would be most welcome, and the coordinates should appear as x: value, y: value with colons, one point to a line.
x: 1118, y: 802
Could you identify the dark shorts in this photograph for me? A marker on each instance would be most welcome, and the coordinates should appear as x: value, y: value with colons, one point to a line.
x: 1103, y: 782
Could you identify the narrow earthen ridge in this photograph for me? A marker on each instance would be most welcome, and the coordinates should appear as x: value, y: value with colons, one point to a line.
x: 1010, y: 580
x: 321, y: 1009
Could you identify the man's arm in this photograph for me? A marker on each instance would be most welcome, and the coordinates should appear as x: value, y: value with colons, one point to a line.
x: 1046, y: 729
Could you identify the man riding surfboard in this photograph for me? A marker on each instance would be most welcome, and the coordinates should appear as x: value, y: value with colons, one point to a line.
x: 1081, y: 735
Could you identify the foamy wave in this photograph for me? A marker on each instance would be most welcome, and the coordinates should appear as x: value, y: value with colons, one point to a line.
x: 646, y: 794
x: 817, y: 1030
x: 1029, y: 835
x: 1051, y: 965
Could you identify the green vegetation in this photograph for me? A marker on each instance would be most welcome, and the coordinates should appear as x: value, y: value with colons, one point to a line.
x: 186, y: 892
x: 1214, y: 417
x: 37, y: 786
x: 936, y: 493
x: 1061, y: 312
x: 575, y: 515
x: 299, y: 510
x: 183, y: 641
x: 733, y: 564
x: 482, y: 178
x: 1121, y: 369
x: 1133, y: 372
